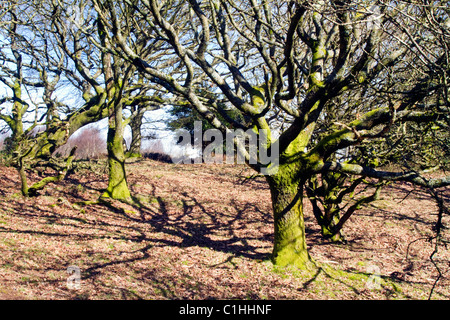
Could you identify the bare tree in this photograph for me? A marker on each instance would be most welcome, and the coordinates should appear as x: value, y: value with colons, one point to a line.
x: 109, y: 78
x: 291, y: 66
x: 31, y: 72
x: 59, y: 48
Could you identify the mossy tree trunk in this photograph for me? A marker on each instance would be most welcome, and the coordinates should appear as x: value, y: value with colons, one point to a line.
x: 286, y: 189
x: 115, y: 81
x: 117, y: 182
x: 328, y: 214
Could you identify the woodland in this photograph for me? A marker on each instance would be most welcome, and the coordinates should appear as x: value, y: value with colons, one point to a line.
x: 350, y: 97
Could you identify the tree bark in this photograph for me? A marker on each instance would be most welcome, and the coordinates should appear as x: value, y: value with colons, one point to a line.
x: 136, y: 137
x: 117, y: 184
x: 327, y: 215
x: 23, y: 177
x: 289, y: 229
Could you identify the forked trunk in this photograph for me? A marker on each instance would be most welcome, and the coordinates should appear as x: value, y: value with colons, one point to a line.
x: 326, y: 211
x: 329, y: 223
x: 117, y: 184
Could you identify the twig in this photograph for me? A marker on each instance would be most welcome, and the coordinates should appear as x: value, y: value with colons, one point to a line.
x: 442, y: 208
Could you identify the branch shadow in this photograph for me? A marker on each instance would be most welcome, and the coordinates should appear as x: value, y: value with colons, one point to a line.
x: 228, y: 231
x: 193, y: 233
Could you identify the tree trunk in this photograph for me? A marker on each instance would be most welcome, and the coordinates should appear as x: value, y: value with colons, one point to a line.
x: 327, y: 218
x: 117, y: 184
x: 290, y: 242
x: 328, y: 214
x: 136, y: 138
x: 330, y: 219
x: 23, y: 177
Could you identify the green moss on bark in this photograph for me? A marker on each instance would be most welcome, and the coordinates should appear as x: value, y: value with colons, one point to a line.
x: 290, y: 247
x: 117, y: 184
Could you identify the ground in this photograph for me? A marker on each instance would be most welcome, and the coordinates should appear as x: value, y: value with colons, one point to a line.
x: 205, y: 232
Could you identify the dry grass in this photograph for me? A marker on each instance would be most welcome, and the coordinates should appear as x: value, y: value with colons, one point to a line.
x: 205, y: 232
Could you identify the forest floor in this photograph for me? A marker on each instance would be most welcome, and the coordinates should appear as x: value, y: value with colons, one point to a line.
x: 205, y: 232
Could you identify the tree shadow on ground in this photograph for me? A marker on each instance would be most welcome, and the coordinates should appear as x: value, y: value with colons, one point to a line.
x: 179, y: 217
x: 191, y: 231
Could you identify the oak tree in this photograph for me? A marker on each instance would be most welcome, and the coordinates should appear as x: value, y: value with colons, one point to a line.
x: 288, y: 67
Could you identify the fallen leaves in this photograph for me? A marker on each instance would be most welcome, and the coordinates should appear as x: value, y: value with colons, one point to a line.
x: 203, y: 232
